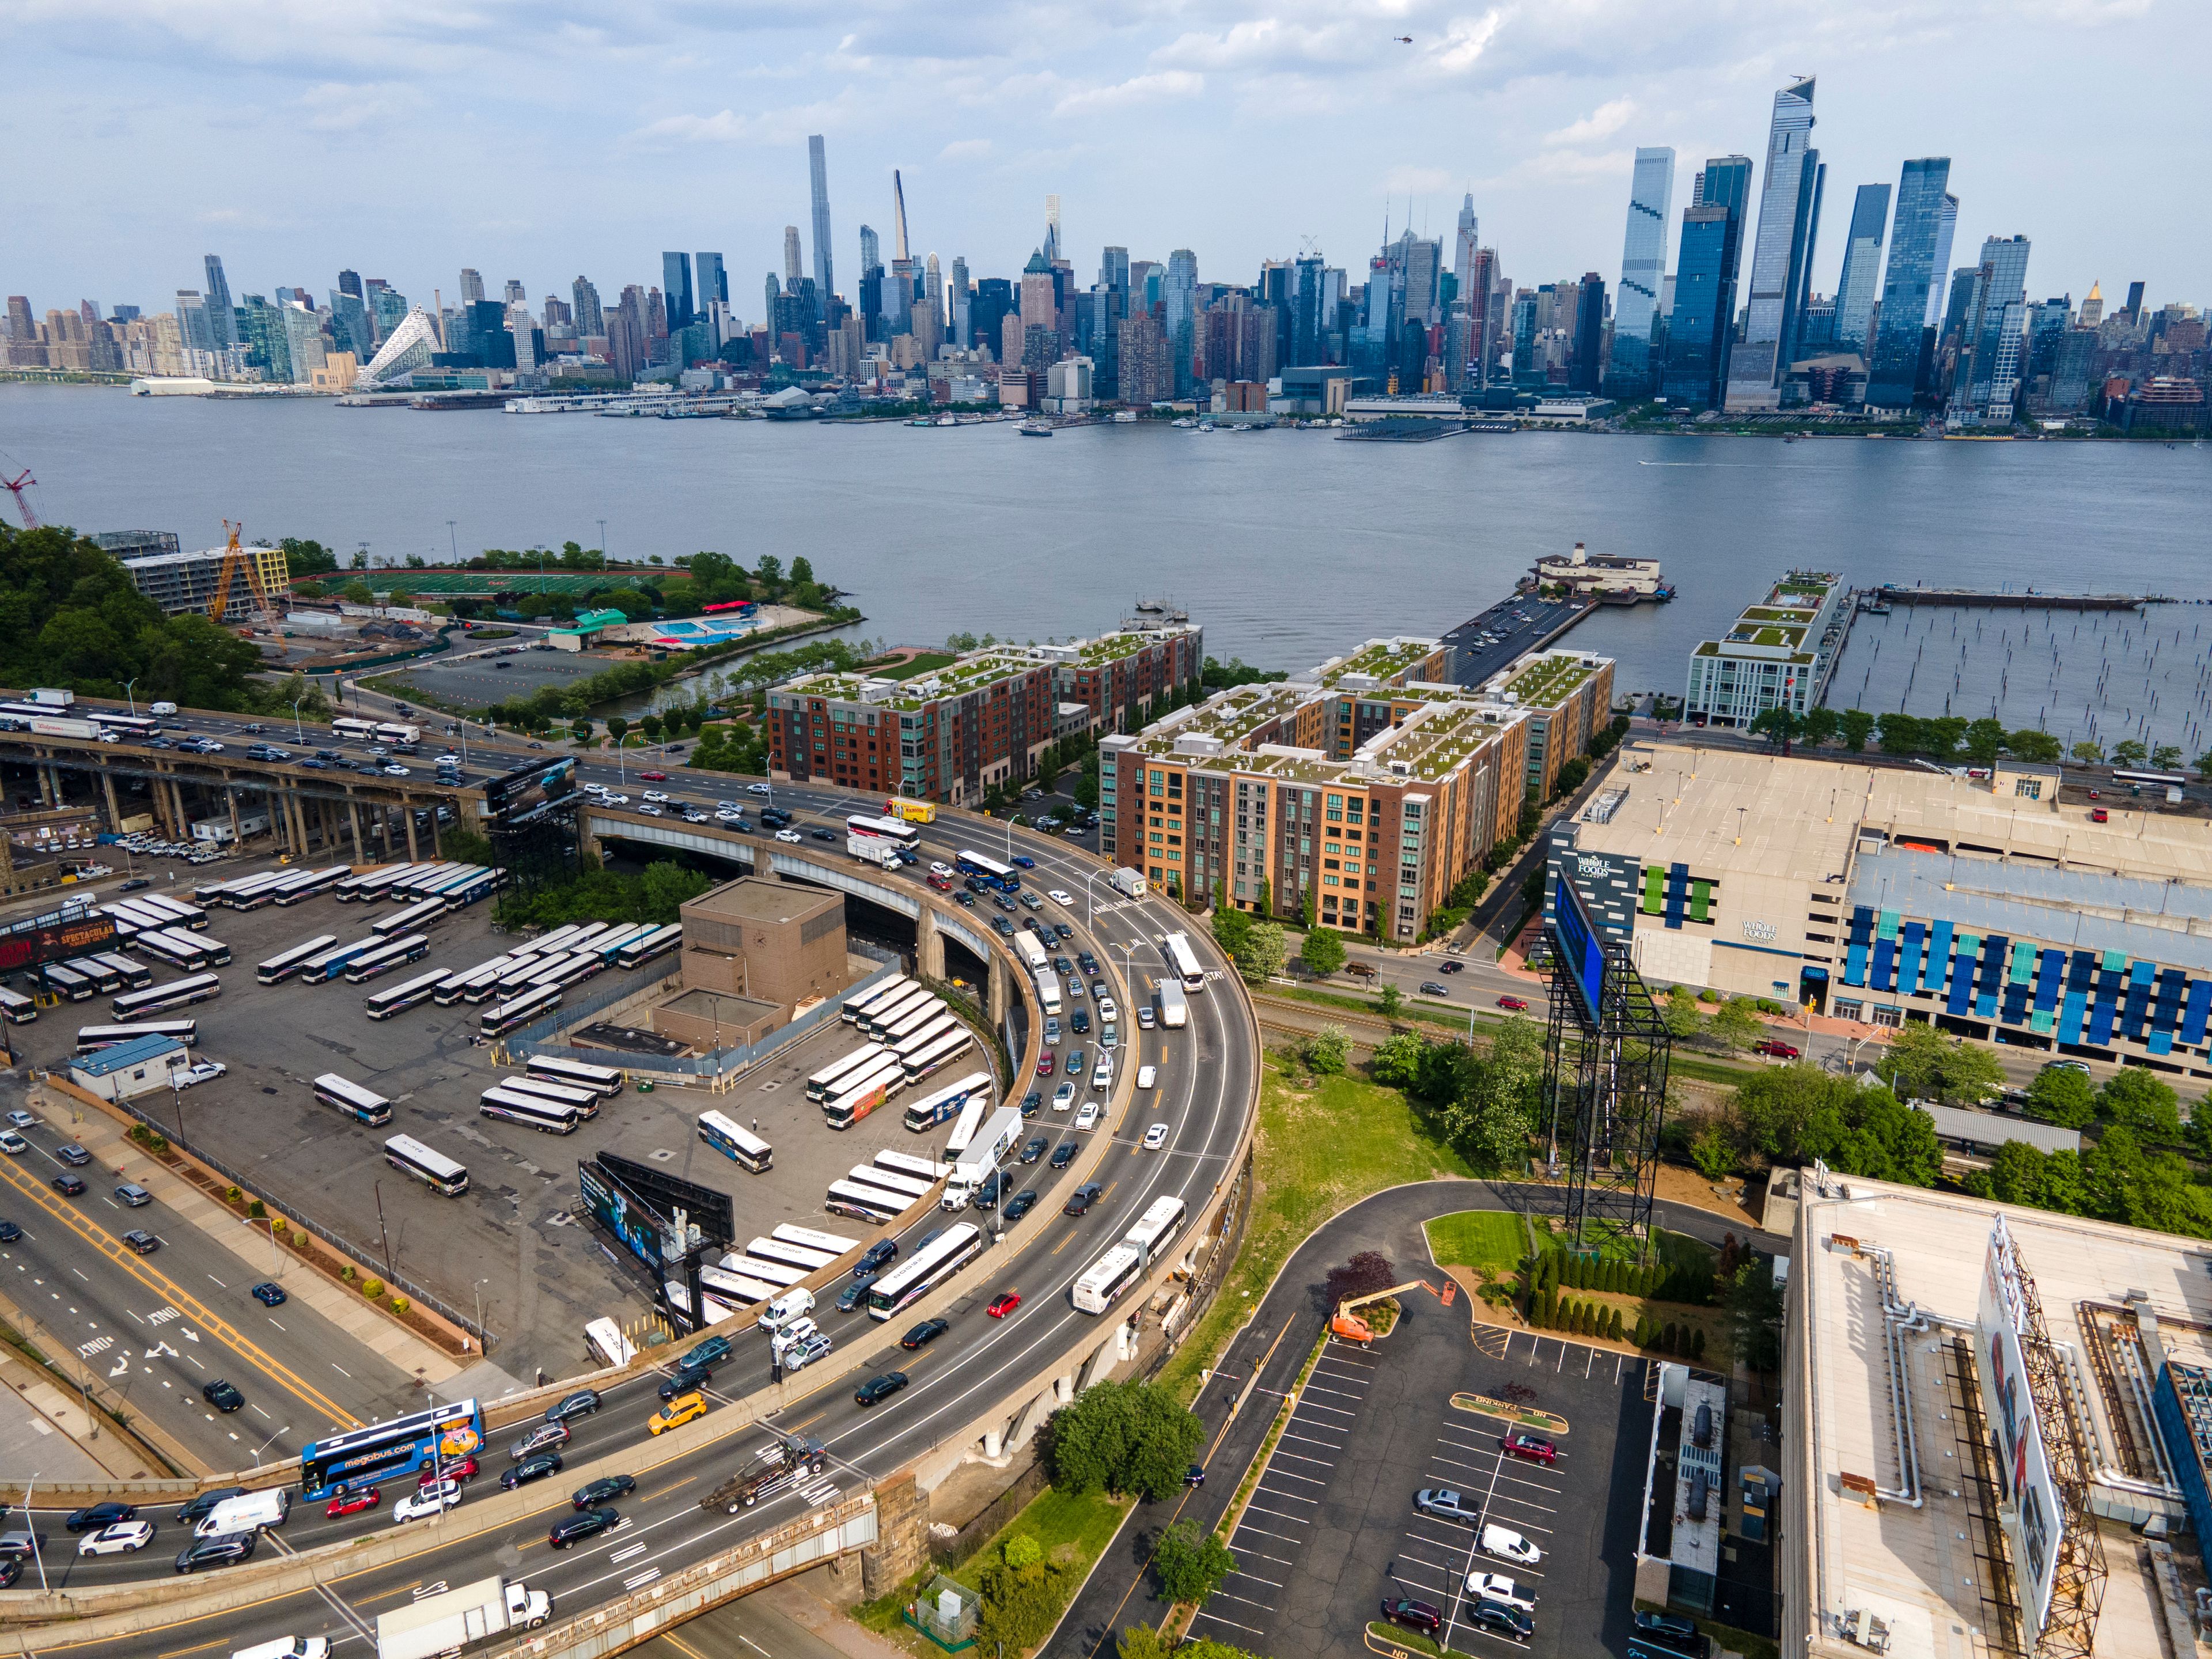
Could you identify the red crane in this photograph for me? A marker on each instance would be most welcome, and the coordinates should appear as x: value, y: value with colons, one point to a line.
x: 16, y: 486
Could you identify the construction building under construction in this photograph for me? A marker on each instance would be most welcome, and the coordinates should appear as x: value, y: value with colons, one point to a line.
x: 183, y: 583
x: 1972, y: 1459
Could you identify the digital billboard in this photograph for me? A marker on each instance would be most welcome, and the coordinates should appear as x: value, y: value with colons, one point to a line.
x: 530, y: 791
x: 704, y: 1207
x: 54, y: 937
x: 2031, y: 1512
x: 1580, y: 949
x: 625, y: 1216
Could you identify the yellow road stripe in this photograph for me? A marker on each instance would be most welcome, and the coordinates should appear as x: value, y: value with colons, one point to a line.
x: 181, y: 1299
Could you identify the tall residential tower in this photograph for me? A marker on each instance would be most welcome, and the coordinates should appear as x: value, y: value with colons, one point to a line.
x: 817, y: 166
x: 1642, y: 268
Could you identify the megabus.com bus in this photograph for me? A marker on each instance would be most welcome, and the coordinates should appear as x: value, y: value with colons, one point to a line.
x: 390, y: 1451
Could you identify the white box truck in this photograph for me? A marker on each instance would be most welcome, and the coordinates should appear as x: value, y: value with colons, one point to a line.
x: 869, y: 850
x: 1174, y: 1008
x: 975, y: 1165
x: 254, y: 1512
x: 1130, y: 884
x: 441, y: 1624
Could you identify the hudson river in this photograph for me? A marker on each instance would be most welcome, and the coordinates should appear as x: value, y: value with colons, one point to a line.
x: 1288, y: 546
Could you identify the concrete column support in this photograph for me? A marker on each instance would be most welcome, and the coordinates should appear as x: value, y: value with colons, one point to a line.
x: 353, y: 811
x: 1102, y: 1360
x: 114, y: 813
x: 230, y: 800
x: 994, y: 1444
x: 1063, y: 1388
x: 901, y: 1536
x: 929, y: 945
x: 407, y: 816
x: 435, y: 851
x: 46, y: 783
x: 177, y: 805
x: 298, y: 806
x: 1029, y: 1420
x: 1000, y: 990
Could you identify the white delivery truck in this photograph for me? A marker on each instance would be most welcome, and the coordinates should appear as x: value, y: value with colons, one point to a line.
x: 1130, y: 884
x: 441, y: 1624
x: 1174, y: 1008
x: 973, y: 1165
x: 869, y: 849
x: 254, y: 1512
x: 787, y: 1310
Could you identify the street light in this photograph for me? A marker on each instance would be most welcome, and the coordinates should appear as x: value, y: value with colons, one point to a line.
x: 264, y: 1446
x: 33, y: 1529
x: 481, y: 1340
x: 299, y: 730
x: 127, y: 684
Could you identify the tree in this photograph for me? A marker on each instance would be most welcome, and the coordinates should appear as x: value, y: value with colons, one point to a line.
x: 2165, y: 757
x: 303, y: 558
x: 1143, y: 1642
x: 667, y: 887
x: 1820, y: 725
x: 582, y: 729
x: 1391, y: 1002
x: 1986, y: 741
x: 1323, y: 950
x: 1736, y: 1024
x: 1492, y: 1110
x: 1923, y: 1063
x: 2202, y: 765
x: 2089, y: 751
x: 1122, y: 1437
x: 1755, y: 1316
x: 1232, y: 931
x: 2065, y: 1096
x: 802, y: 569
x: 652, y: 726
x: 1684, y: 1024
x: 2129, y: 752
x: 2136, y: 1100
x: 1267, y: 948
x: 618, y: 728
x: 2029, y: 745
x: 1366, y: 1273
x: 1572, y: 776
x: 1779, y: 727
x: 1869, y: 1131
x: 1857, y: 728
x: 1190, y: 1564
x: 1397, y: 1063
x: 1324, y: 1052
x: 1020, y: 1596
x: 356, y: 591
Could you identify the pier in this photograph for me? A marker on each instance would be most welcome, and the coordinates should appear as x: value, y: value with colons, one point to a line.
x: 2028, y: 599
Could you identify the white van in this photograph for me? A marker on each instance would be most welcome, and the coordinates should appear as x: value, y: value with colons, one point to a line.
x: 790, y: 1306
x: 1147, y: 1076
x: 254, y: 1512
x: 1507, y: 1544
x: 287, y: 1647
x: 163, y: 708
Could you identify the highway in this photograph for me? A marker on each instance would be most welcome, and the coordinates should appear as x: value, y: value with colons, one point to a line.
x: 1205, y: 1087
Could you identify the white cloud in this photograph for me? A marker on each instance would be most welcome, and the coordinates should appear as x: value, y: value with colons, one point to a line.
x: 1416, y: 182
x: 1161, y: 86
x: 723, y: 127
x: 337, y: 106
x: 1263, y: 42
x: 1600, y: 123
x: 965, y: 149
x: 1466, y: 38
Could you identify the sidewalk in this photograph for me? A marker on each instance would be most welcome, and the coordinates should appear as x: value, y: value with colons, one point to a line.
x: 49, y: 1437
x: 105, y: 1138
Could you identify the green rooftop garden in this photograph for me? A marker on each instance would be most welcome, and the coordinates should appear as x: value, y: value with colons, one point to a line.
x: 1549, y: 680
x: 1382, y: 659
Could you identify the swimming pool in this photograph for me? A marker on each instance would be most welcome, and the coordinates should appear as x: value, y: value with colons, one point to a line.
x: 695, y: 631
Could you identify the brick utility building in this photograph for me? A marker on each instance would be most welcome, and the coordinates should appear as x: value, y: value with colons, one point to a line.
x: 955, y: 733
x: 1366, y: 786
x: 755, y: 951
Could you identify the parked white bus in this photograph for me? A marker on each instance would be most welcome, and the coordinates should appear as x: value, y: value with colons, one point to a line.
x: 947, y: 1103
x: 382, y: 960
x: 504, y: 1017
x: 887, y: 1013
x: 547, y: 1116
x: 856, y: 1007
x: 16, y: 1008
x: 926, y: 1169
x: 285, y: 964
x: 384, y: 1004
x: 604, y: 1081
x: 908, y: 1187
x: 836, y: 1244
x: 825, y: 1084
x: 971, y: 1119
x: 791, y: 1255
x: 176, y: 994
x: 950, y: 1047
x: 740, y: 1145
x: 658, y: 943
x: 584, y: 1100
x: 90, y: 1039
x: 862, y: 1093
x: 871, y: 1205
x: 362, y: 1105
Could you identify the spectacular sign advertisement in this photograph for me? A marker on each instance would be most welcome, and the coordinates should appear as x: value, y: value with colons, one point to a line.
x: 1582, y: 952
x: 2032, y: 1513
x: 54, y: 938
x: 530, y: 791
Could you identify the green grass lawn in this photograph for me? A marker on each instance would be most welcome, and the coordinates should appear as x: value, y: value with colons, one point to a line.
x: 1478, y: 1238
x: 1319, y: 1152
x: 928, y: 662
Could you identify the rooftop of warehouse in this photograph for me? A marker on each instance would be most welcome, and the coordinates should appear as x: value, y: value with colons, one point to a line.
x: 1726, y: 809
x: 1921, y: 1571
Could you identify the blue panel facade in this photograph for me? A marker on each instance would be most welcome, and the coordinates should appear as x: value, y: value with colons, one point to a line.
x: 2182, y: 1401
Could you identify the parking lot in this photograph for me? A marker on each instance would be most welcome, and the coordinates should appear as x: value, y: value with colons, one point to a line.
x: 470, y: 675
x: 1494, y: 640
x: 511, y: 1238
x: 1332, y: 1532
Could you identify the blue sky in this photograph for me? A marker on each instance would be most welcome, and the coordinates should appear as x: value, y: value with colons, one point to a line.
x: 407, y: 138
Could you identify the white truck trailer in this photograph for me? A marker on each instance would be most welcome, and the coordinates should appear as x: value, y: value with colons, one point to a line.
x: 441, y: 1624
x: 1130, y: 884
x: 981, y: 1156
x: 869, y: 849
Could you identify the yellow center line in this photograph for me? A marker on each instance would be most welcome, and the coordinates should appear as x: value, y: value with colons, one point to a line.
x: 183, y: 1302
x: 1065, y: 1243
x: 678, y: 1485
x: 816, y: 1418
x: 178, y: 1653
x: 680, y: 1645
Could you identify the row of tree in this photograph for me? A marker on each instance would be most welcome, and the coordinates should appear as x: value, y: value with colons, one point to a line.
x: 1953, y: 737
x: 1788, y: 1115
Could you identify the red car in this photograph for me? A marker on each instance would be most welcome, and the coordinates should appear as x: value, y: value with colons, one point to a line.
x: 451, y: 1468
x: 654, y: 777
x: 1045, y: 1063
x: 942, y: 883
x: 353, y: 1503
x: 1534, y: 1447
x: 1518, y: 1004
x: 1775, y: 1047
x: 1005, y: 1304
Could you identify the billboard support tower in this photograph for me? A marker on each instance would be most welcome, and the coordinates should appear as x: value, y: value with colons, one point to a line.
x: 1606, y: 1055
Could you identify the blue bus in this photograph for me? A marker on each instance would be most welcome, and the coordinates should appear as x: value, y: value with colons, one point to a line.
x: 390, y: 1451
x: 989, y: 872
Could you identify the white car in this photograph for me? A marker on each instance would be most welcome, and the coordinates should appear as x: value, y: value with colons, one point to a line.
x: 1063, y: 1097
x: 22, y: 1120
x: 1109, y: 1009
x: 613, y: 799
x: 435, y: 1497
x: 655, y: 795
x: 792, y: 835
x: 205, y: 1072
x: 940, y: 868
x: 1147, y: 1076
x: 1508, y: 1545
x: 1496, y: 1587
x: 1156, y: 1137
x: 123, y: 1538
x: 395, y: 771
x: 13, y: 1144
x: 1059, y: 896
x: 1102, y: 1074
x: 730, y: 806
x: 1088, y: 1117
x: 729, y: 817
x: 756, y: 789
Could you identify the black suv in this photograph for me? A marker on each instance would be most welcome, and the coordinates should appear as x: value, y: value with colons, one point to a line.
x: 684, y: 1379
x: 876, y: 1257
x: 223, y: 1551
x: 1501, y: 1619
x: 575, y: 1529
x: 1086, y: 1196
x: 101, y: 1514
x: 582, y: 1403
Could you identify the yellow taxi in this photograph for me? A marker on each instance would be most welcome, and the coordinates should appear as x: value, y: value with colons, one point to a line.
x: 676, y: 1413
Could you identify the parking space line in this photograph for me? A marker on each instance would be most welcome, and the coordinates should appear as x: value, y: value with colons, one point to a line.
x: 1239, y: 1572
x: 1231, y: 1623
x: 1288, y: 1474
x: 1279, y: 1516
x: 1303, y: 1441
x: 1246, y: 1600
x: 1315, y: 1405
x: 1263, y: 1554
x: 1321, y: 1462
x: 1288, y: 1497
x: 1315, y: 1388
x: 1246, y: 1526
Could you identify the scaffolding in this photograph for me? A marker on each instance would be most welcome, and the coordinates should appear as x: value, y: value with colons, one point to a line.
x: 1605, y: 1095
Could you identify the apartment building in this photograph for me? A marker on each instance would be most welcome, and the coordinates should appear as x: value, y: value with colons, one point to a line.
x: 1779, y: 654
x: 184, y: 582
x: 1567, y: 695
x: 980, y: 723
x: 1362, y: 786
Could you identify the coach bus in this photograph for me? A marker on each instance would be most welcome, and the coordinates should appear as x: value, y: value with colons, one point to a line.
x: 910, y: 1188
x: 855, y: 1006
x: 548, y: 1117
x: 502, y: 1017
x: 389, y: 1452
x: 864, y: 1093
x: 1156, y: 1229
x: 658, y: 943
x: 91, y: 1039
x: 925, y: 1270
x: 890, y: 832
x: 836, y: 1244
x: 1176, y: 947
x: 176, y: 994
x: 946, y: 1104
x: 384, y: 1004
x: 467, y: 982
x: 64, y: 983
x: 432, y: 1168
x: 871, y: 1206
x: 308, y: 883
x: 604, y: 1081
x: 420, y: 913
x: 96, y: 973
x: 925, y: 1169
x: 362, y: 1105
x: 178, y: 912
x: 971, y: 1120
x: 740, y: 1145
x: 885, y: 1015
x: 382, y: 960
x: 135, y: 975
x: 791, y: 1255
x: 586, y: 1102
x: 1107, y: 1278
x: 988, y: 870
x: 921, y: 1021
x: 824, y: 1084
x: 157, y: 942
x: 16, y: 1008
x: 345, y: 725
x: 731, y: 1284
x: 330, y: 962
x: 607, y: 947
x: 920, y: 1063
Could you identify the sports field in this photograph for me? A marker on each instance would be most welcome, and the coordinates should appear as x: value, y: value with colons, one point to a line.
x: 465, y: 583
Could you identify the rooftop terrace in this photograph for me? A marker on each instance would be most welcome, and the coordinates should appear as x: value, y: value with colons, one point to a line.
x: 1230, y: 716
x: 1383, y: 659
x: 969, y: 674
x: 1544, y: 681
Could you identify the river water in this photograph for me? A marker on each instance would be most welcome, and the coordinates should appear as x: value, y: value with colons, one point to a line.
x: 1288, y: 547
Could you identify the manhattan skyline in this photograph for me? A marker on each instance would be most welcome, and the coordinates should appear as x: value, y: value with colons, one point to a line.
x: 333, y: 140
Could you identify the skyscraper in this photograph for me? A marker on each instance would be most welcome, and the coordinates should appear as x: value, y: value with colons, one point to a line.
x: 222, y: 321
x: 1778, y: 252
x: 192, y: 331
x: 1947, y: 226
x: 1114, y: 267
x: 1586, y: 343
x: 1915, y: 227
x: 817, y: 167
x: 1465, y: 240
x: 713, y: 280
x: 957, y: 294
x: 898, y: 201
x: 590, y: 318
x: 1701, y: 327
x: 1998, y: 330
x: 676, y: 290
x: 1180, y: 293
x: 1861, y: 277
x: 1052, y: 230
x: 471, y: 286
x: 791, y: 265
x: 1643, y: 265
x: 872, y: 253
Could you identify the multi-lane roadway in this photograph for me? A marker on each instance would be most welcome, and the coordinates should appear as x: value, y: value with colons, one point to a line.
x: 1204, y: 1092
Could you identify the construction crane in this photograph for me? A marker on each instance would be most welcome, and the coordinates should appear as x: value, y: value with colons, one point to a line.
x: 16, y: 485
x: 237, y: 561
